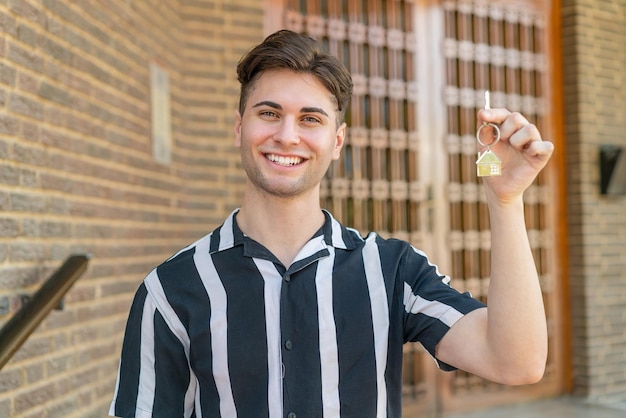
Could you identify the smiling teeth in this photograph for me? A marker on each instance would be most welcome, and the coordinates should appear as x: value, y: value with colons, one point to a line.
x: 285, y: 161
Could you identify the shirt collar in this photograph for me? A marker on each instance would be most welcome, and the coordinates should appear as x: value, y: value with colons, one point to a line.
x: 332, y: 233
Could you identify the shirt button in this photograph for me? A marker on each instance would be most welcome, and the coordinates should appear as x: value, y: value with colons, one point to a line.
x: 287, y: 277
x: 291, y: 415
x: 288, y: 346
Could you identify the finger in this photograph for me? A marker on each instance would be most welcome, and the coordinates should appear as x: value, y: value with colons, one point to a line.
x: 513, y: 123
x: 522, y: 135
x: 492, y: 115
x: 542, y: 149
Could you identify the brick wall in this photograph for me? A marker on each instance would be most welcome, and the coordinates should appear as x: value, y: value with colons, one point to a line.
x: 77, y: 173
x: 594, y: 57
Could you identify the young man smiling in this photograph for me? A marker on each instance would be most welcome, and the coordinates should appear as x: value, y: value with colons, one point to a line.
x: 284, y: 312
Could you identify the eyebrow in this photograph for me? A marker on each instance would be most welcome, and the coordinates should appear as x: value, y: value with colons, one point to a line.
x: 275, y: 105
x: 268, y: 103
x: 314, y: 110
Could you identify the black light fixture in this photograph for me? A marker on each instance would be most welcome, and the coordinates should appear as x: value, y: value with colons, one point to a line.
x: 612, y: 170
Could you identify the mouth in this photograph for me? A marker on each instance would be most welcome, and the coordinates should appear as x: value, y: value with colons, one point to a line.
x: 284, y: 161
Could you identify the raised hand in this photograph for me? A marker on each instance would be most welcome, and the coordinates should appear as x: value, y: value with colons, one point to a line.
x: 522, y: 152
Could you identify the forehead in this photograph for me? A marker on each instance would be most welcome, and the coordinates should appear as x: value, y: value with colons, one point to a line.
x: 290, y: 87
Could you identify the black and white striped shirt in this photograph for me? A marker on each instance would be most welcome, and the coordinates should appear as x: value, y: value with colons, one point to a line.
x: 223, y: 329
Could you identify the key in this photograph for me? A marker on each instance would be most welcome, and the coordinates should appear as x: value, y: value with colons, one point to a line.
x: 488, y: 164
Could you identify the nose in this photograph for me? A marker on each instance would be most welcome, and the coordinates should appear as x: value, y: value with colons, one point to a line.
x: 287, y: 132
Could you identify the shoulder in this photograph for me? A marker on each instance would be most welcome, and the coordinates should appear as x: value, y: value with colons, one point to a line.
x: 412, y: 265
x: 181, y: 269
x: 185, y: 255
x: 176, y: 286
x: 341, y: 236
x: 392, y: 247
x: 223, y: 237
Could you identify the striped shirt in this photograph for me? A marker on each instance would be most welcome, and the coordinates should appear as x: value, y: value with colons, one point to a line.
x: 223, y: 329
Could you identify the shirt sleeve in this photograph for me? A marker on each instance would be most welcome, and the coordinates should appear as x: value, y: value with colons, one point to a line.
x: 154, y: 377
x: 431, y: 306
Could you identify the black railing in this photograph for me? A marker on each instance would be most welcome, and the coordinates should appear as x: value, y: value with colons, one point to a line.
x: 49, y: 296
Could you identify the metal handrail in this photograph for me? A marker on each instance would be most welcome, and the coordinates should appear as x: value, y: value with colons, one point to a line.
x: 17, y: 330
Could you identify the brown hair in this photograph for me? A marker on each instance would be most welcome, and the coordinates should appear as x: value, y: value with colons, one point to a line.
x: 286, y: 49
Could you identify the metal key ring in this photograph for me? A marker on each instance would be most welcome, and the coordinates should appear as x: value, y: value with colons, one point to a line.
x: 496, y: 134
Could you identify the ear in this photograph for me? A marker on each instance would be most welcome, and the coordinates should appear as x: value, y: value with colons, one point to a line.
x: 237, y: 129
x: 340, y: 137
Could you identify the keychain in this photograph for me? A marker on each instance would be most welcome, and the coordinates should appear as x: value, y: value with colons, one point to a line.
x: 488, y: 163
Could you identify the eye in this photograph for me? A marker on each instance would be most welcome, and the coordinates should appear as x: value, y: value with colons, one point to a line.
x: 268, y: 114
x: 311, y: 120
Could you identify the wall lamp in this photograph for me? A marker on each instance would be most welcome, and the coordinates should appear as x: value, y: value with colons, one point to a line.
x: 612, y: 170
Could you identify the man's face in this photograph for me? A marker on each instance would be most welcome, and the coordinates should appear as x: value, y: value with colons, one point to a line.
x: 288, y: 134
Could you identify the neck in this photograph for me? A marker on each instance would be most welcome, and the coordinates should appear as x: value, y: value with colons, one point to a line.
x: 282, y: 225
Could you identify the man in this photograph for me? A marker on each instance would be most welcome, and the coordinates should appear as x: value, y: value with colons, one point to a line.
x: 283, y: 312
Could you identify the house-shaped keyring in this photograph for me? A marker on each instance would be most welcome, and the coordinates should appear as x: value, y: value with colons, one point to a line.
x: 488, y: 164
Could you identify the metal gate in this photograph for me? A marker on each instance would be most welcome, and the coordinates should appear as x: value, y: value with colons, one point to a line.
x: 408, y: 167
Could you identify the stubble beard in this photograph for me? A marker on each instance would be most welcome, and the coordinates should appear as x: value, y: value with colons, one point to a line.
x: 281, y: 186
x: 289, y: 189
